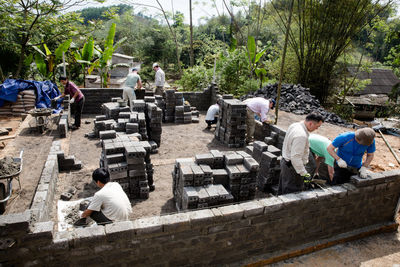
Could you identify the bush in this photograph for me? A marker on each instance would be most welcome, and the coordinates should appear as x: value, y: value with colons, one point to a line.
x: 247, y: 86
x: 196, y: 78
x: 233, y: 71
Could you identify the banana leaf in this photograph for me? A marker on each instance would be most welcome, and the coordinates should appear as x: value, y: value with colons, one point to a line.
x: 62, y: 48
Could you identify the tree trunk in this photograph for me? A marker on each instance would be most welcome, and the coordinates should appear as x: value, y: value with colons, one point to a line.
x: 191, y: 36
x: 20, y: 61
x: 174, y: 36
x: 283, y: 62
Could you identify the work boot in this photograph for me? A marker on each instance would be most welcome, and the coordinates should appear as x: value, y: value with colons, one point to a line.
x: 152, y: 188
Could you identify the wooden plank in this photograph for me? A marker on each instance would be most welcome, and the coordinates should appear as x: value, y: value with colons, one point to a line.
x: 390, y: 147
x: 7, y: 137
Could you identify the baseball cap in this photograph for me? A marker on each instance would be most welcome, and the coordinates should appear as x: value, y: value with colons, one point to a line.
x: 155, y: 65
x: 273, y: 103
x: 365, y: 136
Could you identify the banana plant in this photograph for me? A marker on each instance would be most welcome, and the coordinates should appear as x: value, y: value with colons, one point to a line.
x: 46, y: 61
x: 103, y: 63
x: 85, y: 56
x: 255, y: 62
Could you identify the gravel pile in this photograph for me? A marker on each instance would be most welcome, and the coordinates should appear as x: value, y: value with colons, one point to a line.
x: 296, y: 99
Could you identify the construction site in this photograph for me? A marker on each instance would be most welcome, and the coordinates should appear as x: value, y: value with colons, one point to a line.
x: 214, y: 200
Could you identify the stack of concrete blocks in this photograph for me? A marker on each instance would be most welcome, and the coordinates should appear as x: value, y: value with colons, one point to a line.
x: 65, y: 116
x: 67, y: 163
x: 128, y: 162
x: 193, y: 188
x: 179, y: 108
x: 242, y: 172
x: 110, y: 110
x: 234, y: 172
x: 269, y: 168
x: 153, y: 122
x: 231, y: 125
x: 169, y: 109
x: 101, y: 123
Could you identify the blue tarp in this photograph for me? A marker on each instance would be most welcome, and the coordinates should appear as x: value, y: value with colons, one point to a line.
x: 45, y: 91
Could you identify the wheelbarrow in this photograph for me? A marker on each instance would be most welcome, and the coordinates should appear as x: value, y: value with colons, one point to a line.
x: 41, y: 116
x: 6, y: 184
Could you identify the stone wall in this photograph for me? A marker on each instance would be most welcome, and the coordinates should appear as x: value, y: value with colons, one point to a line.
x: 223, y: 235
x: 94, y: 97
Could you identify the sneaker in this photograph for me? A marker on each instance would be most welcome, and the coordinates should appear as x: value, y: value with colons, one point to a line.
x: 152, y: 188
x: 73, y: 127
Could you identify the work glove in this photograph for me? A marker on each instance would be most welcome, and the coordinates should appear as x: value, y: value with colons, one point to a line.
x: 341, y: 163
x: 363, y: 172
x: 57, y: 97
x: 307, y: 178
x: 72, y: 101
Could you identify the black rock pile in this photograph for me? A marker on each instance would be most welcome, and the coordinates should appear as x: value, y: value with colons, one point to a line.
x: 296, y: 99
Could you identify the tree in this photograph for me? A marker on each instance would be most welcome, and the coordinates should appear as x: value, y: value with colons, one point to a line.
x: 103, y: 64
x: 85, y: 56
x: 34, y: 22
x: 321, y: 32
x: 191, y: 36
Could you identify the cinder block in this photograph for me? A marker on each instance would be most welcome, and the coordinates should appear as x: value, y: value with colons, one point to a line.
x: 233, y: 159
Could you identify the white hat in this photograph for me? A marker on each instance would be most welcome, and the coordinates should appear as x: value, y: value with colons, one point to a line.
x: 155, y: 65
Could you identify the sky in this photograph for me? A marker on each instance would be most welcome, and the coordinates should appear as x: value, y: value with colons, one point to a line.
x: 201, y: 8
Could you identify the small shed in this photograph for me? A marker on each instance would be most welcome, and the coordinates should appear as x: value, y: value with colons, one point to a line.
x: 382, y: 81
x: 374, y: 97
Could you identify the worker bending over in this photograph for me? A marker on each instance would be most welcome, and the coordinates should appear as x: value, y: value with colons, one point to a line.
x: 211, y: 117
x: 351, y: 147
x: 318, y: 146
x: 256, y: 106
x: 295, y: 152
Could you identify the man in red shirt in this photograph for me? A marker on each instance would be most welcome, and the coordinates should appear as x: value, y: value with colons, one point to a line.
x: 77, y: 99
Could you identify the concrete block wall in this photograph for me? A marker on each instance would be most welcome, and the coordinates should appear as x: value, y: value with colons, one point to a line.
x: 43, y: 199
x: 217, y: 236
x: 95, y: 97
x: 270, y: 134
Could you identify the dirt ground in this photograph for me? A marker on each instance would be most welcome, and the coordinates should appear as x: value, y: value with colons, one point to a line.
x: 178, y: 141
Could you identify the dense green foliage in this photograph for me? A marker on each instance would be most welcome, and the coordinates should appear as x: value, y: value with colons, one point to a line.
x: 245, y: 48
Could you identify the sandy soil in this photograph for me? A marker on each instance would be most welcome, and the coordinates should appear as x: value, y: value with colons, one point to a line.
x: 182, y: 140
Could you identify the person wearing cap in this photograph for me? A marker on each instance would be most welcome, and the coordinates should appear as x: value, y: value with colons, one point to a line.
x: 132, y: 80
x: 159, y: 79
x: 318, y: 147
x: 109, y: 204
x: 256, y: 106
x: 77, y: 99
x: 295, y: 153
x: 350, y: 148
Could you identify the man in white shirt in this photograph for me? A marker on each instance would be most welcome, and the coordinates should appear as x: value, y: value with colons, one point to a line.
x: 259, y: 106
x: 295, y: 152
x: 159, y: 79
x: 211, y: 118
x: 110, y: 203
